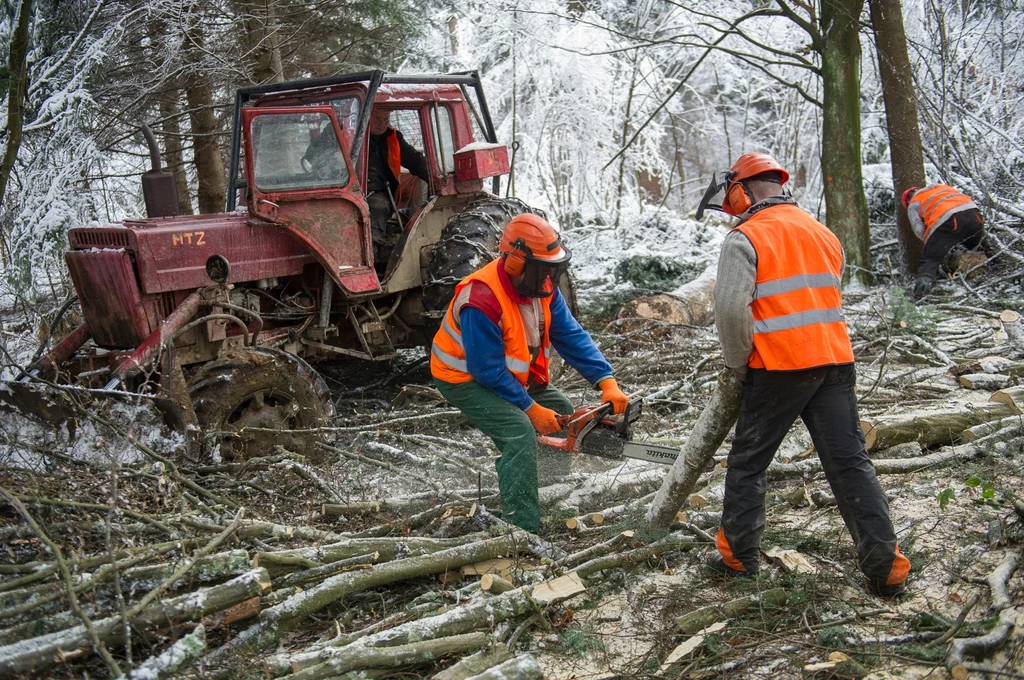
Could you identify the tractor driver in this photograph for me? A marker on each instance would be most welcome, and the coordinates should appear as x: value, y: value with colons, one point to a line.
x: 387, y: 153
x: 490, y: 356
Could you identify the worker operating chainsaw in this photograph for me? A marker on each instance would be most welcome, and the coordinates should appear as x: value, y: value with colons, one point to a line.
x: 490, y: 357
x: 778, y: 309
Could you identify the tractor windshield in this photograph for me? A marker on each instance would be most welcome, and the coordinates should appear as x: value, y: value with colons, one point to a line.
x: 297, y: 151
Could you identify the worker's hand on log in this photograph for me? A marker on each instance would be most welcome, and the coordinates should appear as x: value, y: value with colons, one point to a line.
x: 610, y: 393
x: 544, y: 420
x: 740, y: 375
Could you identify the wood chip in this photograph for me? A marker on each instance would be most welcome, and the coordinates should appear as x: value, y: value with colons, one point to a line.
x: 823, y: 666
x: 791, y: 560
x: 495, y: 566
x: 560, y: 588
x: 690, y: 645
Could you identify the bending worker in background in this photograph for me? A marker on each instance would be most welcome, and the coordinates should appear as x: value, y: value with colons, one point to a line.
x: 778, y: 309
x: 490, y: 357
x: 942, y: 217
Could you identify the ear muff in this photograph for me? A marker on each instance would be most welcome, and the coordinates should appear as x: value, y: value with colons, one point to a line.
x: 515, y: 261
x: 737, y: 199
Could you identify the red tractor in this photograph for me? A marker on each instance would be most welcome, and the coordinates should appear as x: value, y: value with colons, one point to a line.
x: 217, y: 316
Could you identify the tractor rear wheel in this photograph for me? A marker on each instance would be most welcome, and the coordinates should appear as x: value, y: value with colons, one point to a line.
x: 262, y: 388
x: 468, y: 242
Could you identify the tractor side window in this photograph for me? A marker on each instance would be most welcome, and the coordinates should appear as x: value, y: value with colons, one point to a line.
x: 407, y: 121
x: 346, y: 110
x: 296, y: 151
x: 444, y: 142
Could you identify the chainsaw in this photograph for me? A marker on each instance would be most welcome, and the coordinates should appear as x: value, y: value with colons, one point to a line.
x: 599, y: 432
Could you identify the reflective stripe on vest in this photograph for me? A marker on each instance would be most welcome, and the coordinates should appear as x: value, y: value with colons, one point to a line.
x: 780, y: 286
x: 448, y: 359
x: 935, y: 204
x: 511, y: 363
x: 797, y: 302
x: 798, y: 320
x: 448, y: 354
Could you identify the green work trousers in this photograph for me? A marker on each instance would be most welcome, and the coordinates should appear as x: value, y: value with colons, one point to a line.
x: 512, y: 432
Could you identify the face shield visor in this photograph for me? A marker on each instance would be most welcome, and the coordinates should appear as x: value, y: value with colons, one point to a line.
x: 540, y: 278
x: 714, y: 197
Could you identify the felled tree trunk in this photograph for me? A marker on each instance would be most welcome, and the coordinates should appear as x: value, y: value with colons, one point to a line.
x: 336, y: 587
x: 286, y: 561
x: 477, y: 663
x: 928, y: 428
x: 520, y: 668
x: 33, y: 656
x: 708, y: 434
x: 984, y: 381
x: 690, y: 305
x: 478, y: 616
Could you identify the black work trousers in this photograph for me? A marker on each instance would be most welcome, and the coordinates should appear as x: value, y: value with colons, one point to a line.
x: 963, y: 227
x: 823, y: 397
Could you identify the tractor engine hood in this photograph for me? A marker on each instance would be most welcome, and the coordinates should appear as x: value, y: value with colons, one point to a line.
x: 170, y: 253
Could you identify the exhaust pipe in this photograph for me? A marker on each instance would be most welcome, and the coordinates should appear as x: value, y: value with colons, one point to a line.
x: 158, y: 187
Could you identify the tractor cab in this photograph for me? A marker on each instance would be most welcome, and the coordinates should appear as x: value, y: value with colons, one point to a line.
x: 303, y: 164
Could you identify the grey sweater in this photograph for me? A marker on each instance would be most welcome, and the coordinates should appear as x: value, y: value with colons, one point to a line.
x: 734, y: 291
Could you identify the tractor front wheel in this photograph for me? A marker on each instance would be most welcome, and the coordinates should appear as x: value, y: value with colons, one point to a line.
x: 252, y: 399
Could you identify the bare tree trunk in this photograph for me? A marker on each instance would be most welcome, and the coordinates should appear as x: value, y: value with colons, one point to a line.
x: 17, y: 88
x: 901, y: 118
x: 840, y: 148
x: 205, y: 149
x: 173, y: 159
x: 260, y: 40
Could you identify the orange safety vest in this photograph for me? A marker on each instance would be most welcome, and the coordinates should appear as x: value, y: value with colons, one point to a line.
x: 798, y: 303
x: 448, y: 356
x: 394, y: 154
x: 936, y: 203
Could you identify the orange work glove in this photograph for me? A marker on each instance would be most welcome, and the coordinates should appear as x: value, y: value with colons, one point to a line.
x: 545, y: 420
x: 611, y: 393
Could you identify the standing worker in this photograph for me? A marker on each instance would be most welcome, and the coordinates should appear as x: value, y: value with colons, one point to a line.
x: 778, y: 310
x: 942, y: 217
x: 490, y: 356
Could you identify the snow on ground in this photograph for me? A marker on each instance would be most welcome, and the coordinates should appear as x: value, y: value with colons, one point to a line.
x: 598, y: 250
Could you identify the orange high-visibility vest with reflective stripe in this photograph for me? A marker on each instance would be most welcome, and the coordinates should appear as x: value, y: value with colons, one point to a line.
x: 448, y: 356
x: 797, y: 306
x: 935, y: 204
x: 394, y: 154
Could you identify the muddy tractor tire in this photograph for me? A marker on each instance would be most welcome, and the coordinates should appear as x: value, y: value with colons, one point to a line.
x: 262, y: 388
x: 468, y: 242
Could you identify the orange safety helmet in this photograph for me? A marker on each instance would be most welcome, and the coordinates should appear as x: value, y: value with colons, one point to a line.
x: 908, y: 194
x: 533, y: 255
x: 737, y: 198
x: 726, y: 192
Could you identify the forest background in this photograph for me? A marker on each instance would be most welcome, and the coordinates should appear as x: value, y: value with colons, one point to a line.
x: 616, y: 111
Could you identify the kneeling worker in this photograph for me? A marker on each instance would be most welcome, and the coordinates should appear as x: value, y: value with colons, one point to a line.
x: 490, y: 357
x: 941, y: 217
x: 779, y: 313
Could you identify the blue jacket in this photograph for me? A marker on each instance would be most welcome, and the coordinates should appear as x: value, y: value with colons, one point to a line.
x: 485, y: 351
